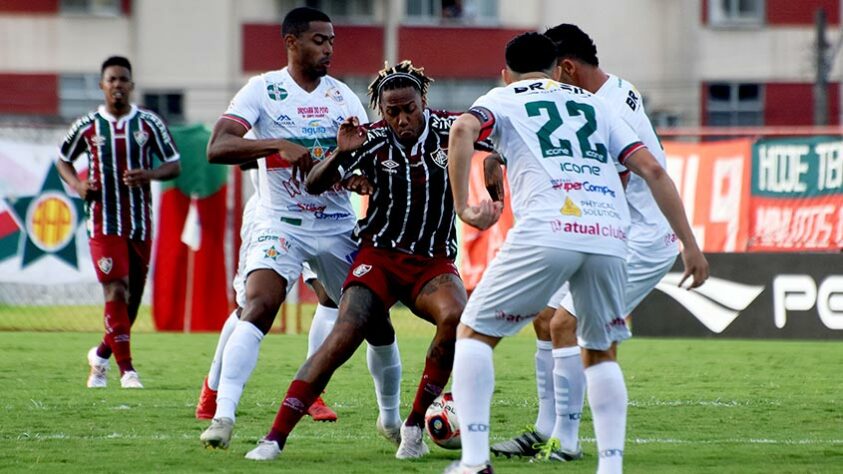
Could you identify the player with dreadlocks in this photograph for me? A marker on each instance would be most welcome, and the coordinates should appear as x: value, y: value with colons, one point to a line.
x: 407, y: 248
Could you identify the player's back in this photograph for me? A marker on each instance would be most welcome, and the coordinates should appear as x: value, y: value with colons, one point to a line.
x: 562, y: 144
x: 650, y: 234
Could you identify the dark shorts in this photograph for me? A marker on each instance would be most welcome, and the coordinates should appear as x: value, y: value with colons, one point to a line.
x: 115, y: 257
x: 393, y: 275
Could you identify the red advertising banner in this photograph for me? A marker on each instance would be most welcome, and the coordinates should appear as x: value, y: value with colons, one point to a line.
x: 713, y: 181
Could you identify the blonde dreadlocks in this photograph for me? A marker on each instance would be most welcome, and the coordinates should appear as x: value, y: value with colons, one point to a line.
x: 403, y: 74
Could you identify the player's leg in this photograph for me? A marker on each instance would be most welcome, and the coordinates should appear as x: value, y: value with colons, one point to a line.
x: 384, y: 363
x: 440, y: 300
x: 598, y: 295
x: 320, y: 326
x: 357, y: 305
x: 503, y: 302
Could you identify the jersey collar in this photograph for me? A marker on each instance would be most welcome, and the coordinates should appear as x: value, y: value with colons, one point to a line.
x: 106, y: 115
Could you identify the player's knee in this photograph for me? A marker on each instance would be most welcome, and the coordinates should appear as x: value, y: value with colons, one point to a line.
x: 260, y: 311
x: 116, y: 291
x: 448, y: 321
x: 563, y: 326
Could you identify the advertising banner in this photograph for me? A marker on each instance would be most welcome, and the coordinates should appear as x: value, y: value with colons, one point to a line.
x: 750, y: 295
x: 796, y: 198
x: 712, y: 179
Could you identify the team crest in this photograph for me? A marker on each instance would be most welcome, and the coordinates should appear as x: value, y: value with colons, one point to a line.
x: 141, y: 137
x: 440, y: 158
x: 276, y: 91
x: 361, y: 270
x: 105, y: 264
x: 271, y: 252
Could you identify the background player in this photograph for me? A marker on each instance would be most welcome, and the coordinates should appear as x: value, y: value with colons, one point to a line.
x: 294, y: 114
x: 119, y: 139
x: 551, y: 133
x: 407, y: 246
x: 652, y: 252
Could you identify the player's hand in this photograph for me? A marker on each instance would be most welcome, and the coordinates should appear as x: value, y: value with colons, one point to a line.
x: 136, y: 177
x: 696, y: 267
x: 351, y: 135
x: 493, y: 176
x: 87, y: 191
x: 483, y: 215
x: 358, y: 184
x: 298, y: 156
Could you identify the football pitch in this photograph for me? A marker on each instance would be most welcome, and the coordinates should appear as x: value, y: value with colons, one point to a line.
x: 695, y: 406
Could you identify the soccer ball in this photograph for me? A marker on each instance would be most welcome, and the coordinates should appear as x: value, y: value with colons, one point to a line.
x: 441, y: 422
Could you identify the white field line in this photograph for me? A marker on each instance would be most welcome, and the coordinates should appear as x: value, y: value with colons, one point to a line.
x: 192, y: 436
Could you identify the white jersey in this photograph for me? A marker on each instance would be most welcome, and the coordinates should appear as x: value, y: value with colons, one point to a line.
x: 273, y: 106
x: 650, y: 236
x: 562, y: 145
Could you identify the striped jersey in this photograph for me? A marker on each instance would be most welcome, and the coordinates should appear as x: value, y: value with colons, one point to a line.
x: 411, y: 209
x: 113, y: 146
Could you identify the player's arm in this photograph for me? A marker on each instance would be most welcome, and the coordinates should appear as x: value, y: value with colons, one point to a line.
x: 328, y: 172
x: 493, y: 176
x: 644, y: 164
x: 73, y: 146
x: 227, y: 146
x: 69, y: 176
x: 465, y: 131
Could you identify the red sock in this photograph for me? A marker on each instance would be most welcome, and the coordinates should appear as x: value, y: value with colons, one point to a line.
x: 103, y: 350
x: 432, y: 383
x: 299, y: 397
x: 117, y: 333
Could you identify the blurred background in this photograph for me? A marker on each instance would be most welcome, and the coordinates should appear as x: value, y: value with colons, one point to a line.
x: 744, y: 93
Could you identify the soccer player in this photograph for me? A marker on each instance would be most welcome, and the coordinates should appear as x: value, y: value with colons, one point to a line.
x: 294, y: 114
x: 552, y: 135
x: 652, y: 250
x: 119, y: 139
x: 407, y: 246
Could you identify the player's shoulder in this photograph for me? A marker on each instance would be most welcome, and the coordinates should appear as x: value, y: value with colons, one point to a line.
x: 84, y: 120
x: 442, y: 120
x: 152, y: 117
x: 621, y: 93
x: 339, y: 92
x: 378, y: 130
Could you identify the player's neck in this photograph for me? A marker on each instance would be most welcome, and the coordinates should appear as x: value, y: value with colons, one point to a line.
x: 307, y: 82
x: 118, y: 111
x: 593, y: 79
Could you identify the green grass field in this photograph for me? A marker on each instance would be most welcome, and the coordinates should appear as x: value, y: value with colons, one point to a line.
x: 695, y: 406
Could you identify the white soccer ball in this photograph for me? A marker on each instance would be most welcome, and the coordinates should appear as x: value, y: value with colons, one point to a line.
x: 441, y: 422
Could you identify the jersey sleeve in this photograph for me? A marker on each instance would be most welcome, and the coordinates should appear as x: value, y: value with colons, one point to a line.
x: 363, y: 158
x: 245, y: 108
x: 74, y: 143
x: 623, y: 142
x: 165, y: 146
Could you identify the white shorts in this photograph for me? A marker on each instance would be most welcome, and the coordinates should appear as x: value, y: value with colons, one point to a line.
x: 517, y: 283
x: 246, y: 226
x: 284, y: 248
x: 642, y: 277
x: 307, y: 273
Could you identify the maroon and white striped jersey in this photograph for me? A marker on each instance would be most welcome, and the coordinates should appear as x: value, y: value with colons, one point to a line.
x: 412, y: 208
x: 114, y: 146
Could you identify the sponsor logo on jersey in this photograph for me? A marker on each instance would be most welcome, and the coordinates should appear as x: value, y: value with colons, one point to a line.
x: 440, y: 158
x: 603, y: 230
x: 570, y: 209
x: 310, y: 112
x: 547, y: 86
x: 264, y: 238
x: 276, y: 91
x: 306, y: 207
x: 105, y: 264
x: 390, y: 166
x: 141, y: 137
x: 97, y: 140
x: 314, y: 127
x: 284, y: 120
x: 599, y: 209
x: 568, y: 185
x: 361, y: 270
x: 332, y: 216
x: 569, y: 167
x: 335, y: 95
x: 632, y: 100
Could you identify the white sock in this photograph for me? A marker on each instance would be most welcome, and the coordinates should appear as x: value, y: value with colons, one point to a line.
x: 569, y: 380
x: 216, y: 364
x: 544, y: 384
x: 238, y: 361
x: 323, y: 321
x: 472, y: 384
x: 385, y: 366
x: 608, y: 399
